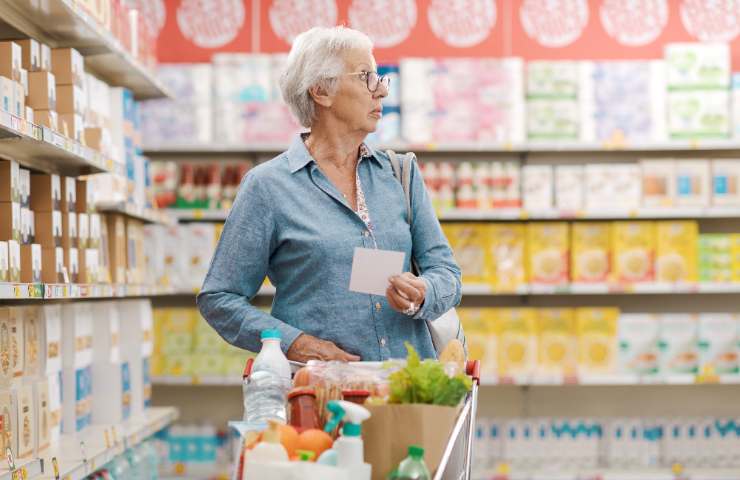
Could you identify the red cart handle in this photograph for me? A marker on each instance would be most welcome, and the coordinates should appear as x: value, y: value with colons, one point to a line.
x: 472, y: 368
x: 248, y: 368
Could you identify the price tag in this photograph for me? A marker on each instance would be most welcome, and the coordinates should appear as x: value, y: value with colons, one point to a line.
x: 9, y: 455
x: 17, y: 291
x: 24, y: 473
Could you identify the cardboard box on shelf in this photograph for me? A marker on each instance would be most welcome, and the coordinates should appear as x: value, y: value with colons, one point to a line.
x: 74, y: 124
x: 30, y: 54
x: 110, y: 373
x: 29, y: 115
x: 89, y: 265
x: 42, y: 91
x: 43, y: 414
x: 117, y: 247
x: 658, y: 182
x: 507, y: 253
x: 698, y: 65
x: 26, y: 411
x: 52, y: 270
x: 634, y: 252
x: 10, y: 181
x: 47, y: 192
x: 693, y: 180
x: 4, y: 265
x: 10, y: 221
x: 71, y: 99
x: 52, y: 339
x: 19, y: 100
x: 49, y: 228
x: 24, y: 83
x: 556, y: 341
x: 31, y: 263
x: 718, y: 344
x: 6, y: 94
x: 537, y: 187
x: 33, y: 333
x: 48, y: 119
x: 55, y: 406
x: 726, y: 182
x: 77, y: 406
x: 11, y: 60
x: 676, y: 257
x: 27, y: 227
x: 72, y: 262
x: 83, y: 230
x: 8, y: 421
x: 16, y: 327
x: 469, y: 242
x: 45, y: 57
x: 517, y: 341
x: 69, y: 194
x: 592, y: 252
x: 68, y: 66
x: 597, y: 339
x: 14, y: 261
x: 24, y: 187
x: 639, y: 351
x: 95, y: 232
x: 69, y: 230
x: 84, y: 197
x: 6, y: 346
x: 678, y: 338
x: 98, y: 139
x: 699, y: 114
x: 569, y: 181
x: 548, y: 253
x: 136, y: 348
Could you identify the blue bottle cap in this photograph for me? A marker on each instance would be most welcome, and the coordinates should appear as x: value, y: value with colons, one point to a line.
x: 271, y: 333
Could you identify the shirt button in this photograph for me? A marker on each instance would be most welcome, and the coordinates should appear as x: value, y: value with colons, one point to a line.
x: 382, y: 342
x: 366, y: 233
x: 377, y: 306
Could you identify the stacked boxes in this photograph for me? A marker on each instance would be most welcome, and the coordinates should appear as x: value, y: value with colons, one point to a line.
x: 68, y: 67
x: 10, y: 218
x: 46, y: 202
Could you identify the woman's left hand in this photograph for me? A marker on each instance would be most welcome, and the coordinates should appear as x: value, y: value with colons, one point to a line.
x: 406, y: 293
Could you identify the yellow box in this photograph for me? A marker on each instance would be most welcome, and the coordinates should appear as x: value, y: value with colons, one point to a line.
x: 547, y: 253
x: 596, y: 329
x: 517, y: 341
x: 480, y: 334
x: 735, y: 238
x: 507, y: 254
x: 178, y: 365
x: 557, y: 351
x: 591, y: 252
x: 676, y: 258
x: 634, y: 252
x: 470, y: 242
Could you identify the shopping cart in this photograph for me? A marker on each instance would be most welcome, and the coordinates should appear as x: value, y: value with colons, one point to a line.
x: 457, y: 458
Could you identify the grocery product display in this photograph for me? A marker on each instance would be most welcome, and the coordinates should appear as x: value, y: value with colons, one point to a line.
x: 583, y: 160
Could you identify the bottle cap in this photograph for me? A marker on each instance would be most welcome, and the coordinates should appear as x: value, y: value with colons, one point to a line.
x: 269, y: 334
x: 416, y: 451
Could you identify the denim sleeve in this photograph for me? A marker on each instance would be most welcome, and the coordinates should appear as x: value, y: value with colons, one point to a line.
x: 433, y: 254
x: 239, y: 267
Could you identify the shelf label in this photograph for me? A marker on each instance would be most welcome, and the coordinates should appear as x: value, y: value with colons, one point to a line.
x: 55, y: 467
x: 17, y: 291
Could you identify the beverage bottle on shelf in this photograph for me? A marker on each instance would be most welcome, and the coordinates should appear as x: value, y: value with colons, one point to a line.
x: 413, y: 466
x: 266, y: 388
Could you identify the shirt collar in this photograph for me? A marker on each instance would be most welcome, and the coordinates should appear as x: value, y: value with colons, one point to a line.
x: 299, y: 156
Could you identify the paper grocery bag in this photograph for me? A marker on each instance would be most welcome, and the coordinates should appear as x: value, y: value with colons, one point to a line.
x: 390, y: 430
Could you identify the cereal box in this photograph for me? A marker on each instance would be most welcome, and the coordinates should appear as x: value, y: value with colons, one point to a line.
x: 547, y: 260
x: 634, y: 252
x: 678, y: 344
x: 469, y: 242
x: 597, y: 339
x: 591, y: 254
x: 517, y: 341
x: 556, y: 341
x: 718, y: 347
x: 715, y: 257
x: 638, y: 343
x: 507, y: 253
x: 676, y: 257
x: 480, y: 334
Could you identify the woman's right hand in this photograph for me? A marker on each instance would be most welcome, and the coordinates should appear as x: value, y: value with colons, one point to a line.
x: 307, y: 347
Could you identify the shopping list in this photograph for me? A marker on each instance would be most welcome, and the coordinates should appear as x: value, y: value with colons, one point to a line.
x: 371, y: 269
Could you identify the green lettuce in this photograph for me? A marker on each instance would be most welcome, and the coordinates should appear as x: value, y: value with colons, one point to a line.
x: 426, y: 382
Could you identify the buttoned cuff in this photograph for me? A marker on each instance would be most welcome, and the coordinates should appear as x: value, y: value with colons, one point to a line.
x: 288, y: 334
x: 429, y: 299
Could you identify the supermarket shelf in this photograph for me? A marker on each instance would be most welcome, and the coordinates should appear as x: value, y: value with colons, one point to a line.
x: 516, y: 214
x: 489, y: 148
x: 198, y: 214
x: 197, y: 381
x: 146, y: 215
x: 104, y: 443
x: 60, y: 24
x: 23, y: 469
x: 540, y: 380
x: 40, y: 148
x: 39, y: 291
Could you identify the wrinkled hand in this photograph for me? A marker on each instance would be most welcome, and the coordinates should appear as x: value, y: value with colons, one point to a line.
x: 405, y: 291
x: 307, y: 347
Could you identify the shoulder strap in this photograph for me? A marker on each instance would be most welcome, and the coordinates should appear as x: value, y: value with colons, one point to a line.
x: 402, y: 172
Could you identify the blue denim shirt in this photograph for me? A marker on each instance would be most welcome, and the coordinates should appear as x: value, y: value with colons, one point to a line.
x: 291, y: 224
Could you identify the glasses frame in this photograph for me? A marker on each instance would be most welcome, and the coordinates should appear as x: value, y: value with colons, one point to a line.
x: 385, y: 80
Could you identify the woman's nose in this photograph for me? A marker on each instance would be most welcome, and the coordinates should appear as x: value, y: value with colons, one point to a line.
x: 382, y: 91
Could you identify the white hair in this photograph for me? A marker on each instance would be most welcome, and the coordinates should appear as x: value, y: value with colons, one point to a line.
x: 316, y: 58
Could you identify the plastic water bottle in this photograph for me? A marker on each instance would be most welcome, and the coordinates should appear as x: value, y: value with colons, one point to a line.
x: 413, y: 466
x: 266, y: 388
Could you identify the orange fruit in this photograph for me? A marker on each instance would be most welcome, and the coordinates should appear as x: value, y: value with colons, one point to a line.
x: 314, y: 440
x: 289, y: 439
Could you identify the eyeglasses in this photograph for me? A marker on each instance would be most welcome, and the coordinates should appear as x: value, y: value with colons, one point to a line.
x: 373, y: 80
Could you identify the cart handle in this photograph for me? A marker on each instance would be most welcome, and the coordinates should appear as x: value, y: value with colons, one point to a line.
x: 248, y: 368
x: 472, y: 368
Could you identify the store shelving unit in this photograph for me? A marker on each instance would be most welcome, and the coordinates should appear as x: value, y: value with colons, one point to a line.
x: 30, y: 469
x: 39, y: 148
x: 60, y: 24
x: 146, y: 215
x: 74, y: 291
x: 102, y: 443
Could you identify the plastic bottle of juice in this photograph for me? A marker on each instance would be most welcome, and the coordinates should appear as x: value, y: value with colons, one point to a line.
x: 413, y: 466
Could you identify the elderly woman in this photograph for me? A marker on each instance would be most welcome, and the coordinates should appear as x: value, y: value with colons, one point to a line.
x: 298, y: 218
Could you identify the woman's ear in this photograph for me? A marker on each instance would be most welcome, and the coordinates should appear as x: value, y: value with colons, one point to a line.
x: 321, y: 96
